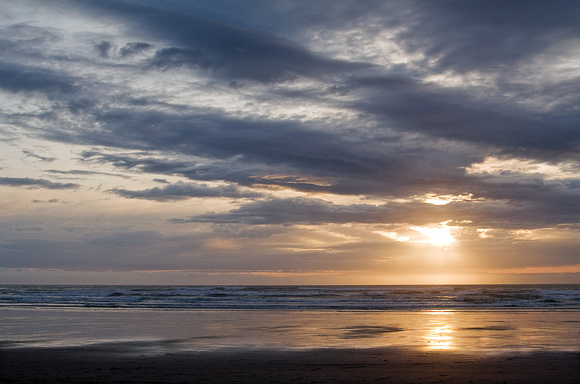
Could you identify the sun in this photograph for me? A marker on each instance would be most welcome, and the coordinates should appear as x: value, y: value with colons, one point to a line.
x: 439, y: 236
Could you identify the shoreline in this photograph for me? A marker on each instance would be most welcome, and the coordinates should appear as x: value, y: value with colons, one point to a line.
x: 174, y: 331
x: 124, y: 363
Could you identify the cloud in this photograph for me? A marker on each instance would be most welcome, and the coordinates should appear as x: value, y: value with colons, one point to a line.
x: 24, y: 229
x: 181, y: 190
x: 104, y: 48
x: 405, y: 105
x: 50, y: 201
x: 295, y: 211
x: 127, y: 239
x: 232, y: 52
x: 409, y: 105
x: 273, y: 152
x: 39, y: 157
x: 176, y: 57
x: 30, y: 182
x: 20, y: 78
x: 488, y: 36
x: 549, y: 209
x: 134, y: 48
x: 81, y: 172
x: 295, y: 113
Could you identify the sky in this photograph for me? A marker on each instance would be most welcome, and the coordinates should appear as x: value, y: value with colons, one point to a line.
x: 289, y: 142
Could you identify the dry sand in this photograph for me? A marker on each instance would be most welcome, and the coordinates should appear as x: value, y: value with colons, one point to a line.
x: 117, y: 364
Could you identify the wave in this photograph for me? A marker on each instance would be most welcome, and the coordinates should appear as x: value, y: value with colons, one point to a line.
x: 293, y: 297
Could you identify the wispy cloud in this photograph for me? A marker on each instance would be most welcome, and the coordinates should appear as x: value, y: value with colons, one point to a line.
x: 38, y: 183
x: 180, y: 191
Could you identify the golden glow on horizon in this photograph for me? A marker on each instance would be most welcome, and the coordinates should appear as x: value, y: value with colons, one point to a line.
x: 438, y: 236
x: 393, y: 235
x: 269, y: 273
x: 483, y: 232
x: 538, y: 270
x: 435, y: 199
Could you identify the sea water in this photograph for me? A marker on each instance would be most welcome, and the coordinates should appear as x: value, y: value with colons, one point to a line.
x: 311, y: 298
x: 163, y: 319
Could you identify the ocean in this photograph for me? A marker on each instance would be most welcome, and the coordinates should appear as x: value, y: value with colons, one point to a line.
x: 165, y: 319
x: 307, y: 298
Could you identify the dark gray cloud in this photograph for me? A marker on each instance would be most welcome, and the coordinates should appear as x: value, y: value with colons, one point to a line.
x: 489, y: 36
x: 130, y: 49
x: 289, y: 155
x: 296, y: 211
x: 177, y: 57
x: 230, y: 51
x: 21, y: 78
x: 39, y: 183
x: 181, y: 190
x: 104, y: 48
x: 410, y: 106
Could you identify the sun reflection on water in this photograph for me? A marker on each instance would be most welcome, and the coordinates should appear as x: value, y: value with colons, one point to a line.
x: 438, y: 332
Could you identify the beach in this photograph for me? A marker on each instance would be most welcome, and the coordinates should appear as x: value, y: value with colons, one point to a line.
x: 122, y: 334
x: 124, y: 364
x: 169, y: 346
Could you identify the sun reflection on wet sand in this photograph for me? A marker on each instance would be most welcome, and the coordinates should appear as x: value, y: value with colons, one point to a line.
x: 438, y: 331
x: 166, y: 331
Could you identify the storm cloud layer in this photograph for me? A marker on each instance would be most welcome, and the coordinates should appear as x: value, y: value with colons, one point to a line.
x: 266, y: 138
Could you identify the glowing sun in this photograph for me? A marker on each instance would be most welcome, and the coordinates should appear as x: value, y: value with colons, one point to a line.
x: 439, y: 236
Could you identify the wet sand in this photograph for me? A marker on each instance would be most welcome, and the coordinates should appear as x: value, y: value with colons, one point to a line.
x: 125, y: 364
x: 140, y: 346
